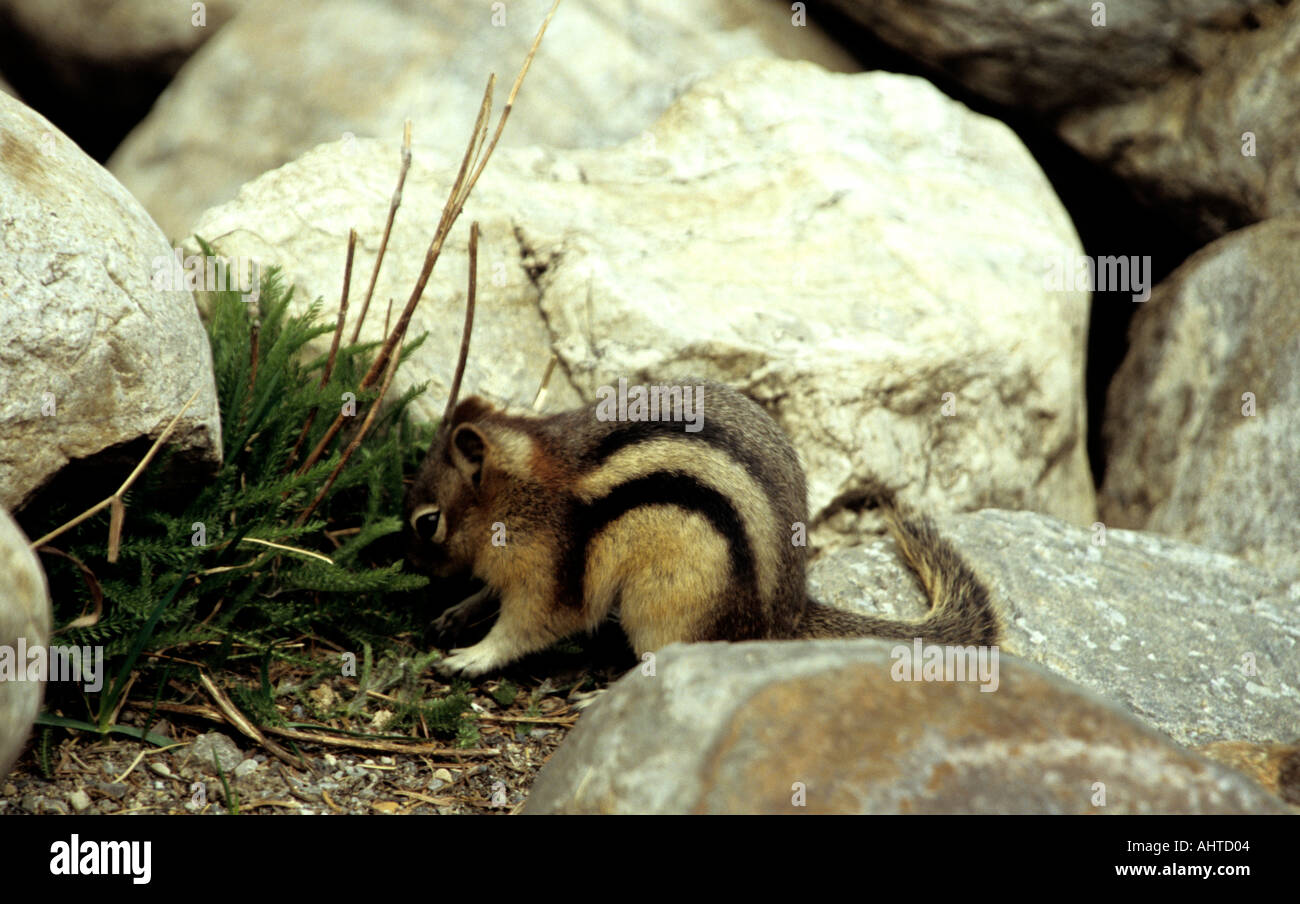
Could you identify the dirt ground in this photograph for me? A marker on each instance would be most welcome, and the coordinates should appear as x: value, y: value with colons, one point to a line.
x: 345, y: 763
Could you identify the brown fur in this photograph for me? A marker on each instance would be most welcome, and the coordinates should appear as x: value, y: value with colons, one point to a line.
x: 961, y: 612
x: 689, y: 535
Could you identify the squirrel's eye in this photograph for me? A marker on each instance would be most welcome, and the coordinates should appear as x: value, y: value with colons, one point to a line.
x: 424, y: 521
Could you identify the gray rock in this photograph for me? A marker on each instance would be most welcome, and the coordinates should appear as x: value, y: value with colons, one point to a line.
x: 1200, y: 645
x: 96, y: 66
x: 93, y: 355
x: 1162, y: 93
x: 1219, y: 338
x: 606, y: 69
x: 1274, y: 766
x: 1219, y: 145
x: 88, y: 37
x: 79, y: 799
x: 25, y: 617
x: 115, y: 790
x: 214, y: 745
x: 759, y: 727
x: 796, y: 233
x: 38, y: 803
x: 1050, y: 55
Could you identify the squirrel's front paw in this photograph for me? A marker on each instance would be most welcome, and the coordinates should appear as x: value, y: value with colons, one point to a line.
x: 455, y: 620
x: 451, y: 623
x: 469, y: 662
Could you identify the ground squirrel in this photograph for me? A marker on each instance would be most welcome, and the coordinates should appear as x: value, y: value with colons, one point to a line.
x: 685, y: 523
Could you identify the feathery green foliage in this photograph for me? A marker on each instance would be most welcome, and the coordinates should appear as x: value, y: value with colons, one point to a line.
x: 190, y: 588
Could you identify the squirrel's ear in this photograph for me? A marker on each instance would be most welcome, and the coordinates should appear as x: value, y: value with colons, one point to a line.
x: 469, y: 447
x: 471, y: 409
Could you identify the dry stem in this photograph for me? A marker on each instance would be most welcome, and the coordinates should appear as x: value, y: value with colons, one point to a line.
x: 393, y: 204
x: 469, y: 324
x: 237, y: 719
x: 479, y: 154
x: 92, y: 584
x: 334, y: 343
x: 115, y: 525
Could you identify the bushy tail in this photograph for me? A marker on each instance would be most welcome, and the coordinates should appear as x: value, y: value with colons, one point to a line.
x: 960, y: 610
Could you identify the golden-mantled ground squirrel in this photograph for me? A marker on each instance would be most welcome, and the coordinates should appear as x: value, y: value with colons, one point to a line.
x: 684, y: 509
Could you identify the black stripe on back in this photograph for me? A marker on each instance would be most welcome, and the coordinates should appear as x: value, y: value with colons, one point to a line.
x: 657, y: 488
x: 630, y: 433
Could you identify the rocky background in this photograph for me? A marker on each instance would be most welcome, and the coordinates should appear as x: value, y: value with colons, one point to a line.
x: 877, y: 217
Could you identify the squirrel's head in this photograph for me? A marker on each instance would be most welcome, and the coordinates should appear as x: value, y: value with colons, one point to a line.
x: 462, y: 489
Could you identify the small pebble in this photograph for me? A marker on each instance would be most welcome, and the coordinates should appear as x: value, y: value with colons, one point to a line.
x: 214, y: 743
x: 115, y: 790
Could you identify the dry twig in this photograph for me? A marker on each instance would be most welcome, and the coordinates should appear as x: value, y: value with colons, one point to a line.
x: 329, y: 740
x: 334, y: 342
x: 477, y: 154
x: 245, y: 727
x: 92, y: 584
x: 469, y: 324
x: 391, y: 370
x: 119, y: 510
x: 393, y: 204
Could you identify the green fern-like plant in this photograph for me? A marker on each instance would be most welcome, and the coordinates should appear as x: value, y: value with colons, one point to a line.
x: 190, y: 585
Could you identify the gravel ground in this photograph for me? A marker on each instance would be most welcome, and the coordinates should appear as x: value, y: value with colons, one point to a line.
x: 515, y: 725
